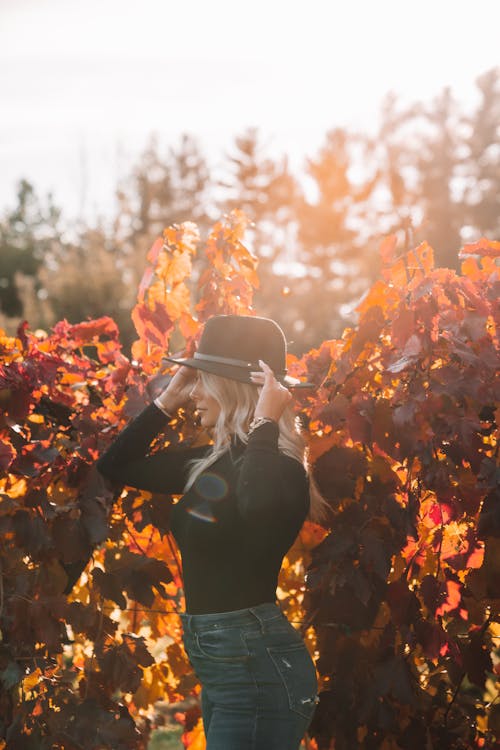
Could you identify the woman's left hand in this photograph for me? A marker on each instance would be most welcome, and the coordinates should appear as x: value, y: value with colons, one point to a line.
x: 274, y: 396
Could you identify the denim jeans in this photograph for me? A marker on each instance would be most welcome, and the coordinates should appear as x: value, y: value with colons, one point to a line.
x: 259, y: 686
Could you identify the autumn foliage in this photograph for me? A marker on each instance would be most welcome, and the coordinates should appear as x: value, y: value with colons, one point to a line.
x: 402, y: 596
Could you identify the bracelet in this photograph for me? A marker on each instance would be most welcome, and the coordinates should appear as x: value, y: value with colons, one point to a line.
x: 257, y: 422
x: 160, y: 406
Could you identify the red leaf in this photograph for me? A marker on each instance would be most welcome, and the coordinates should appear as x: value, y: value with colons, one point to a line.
x: 409, y: 356
x: 441, y: 513
x: 477, y: 659
x: 432, y: 637
x: 359, y: 424
x: 155, y: 250
x: 109, y: 586
x: 145, y: 282
x: 452, y: 595
x: 403, y: 327
x: 84, y: 333
x: 482, y: 247
x: 403, y: 602
x: 154, y: 325
x: 7, y: 455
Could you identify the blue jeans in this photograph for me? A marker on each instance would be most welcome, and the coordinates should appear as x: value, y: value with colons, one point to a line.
x: 259, y: 686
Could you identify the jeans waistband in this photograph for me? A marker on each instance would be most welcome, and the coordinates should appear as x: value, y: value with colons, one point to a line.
x: 261, y: 613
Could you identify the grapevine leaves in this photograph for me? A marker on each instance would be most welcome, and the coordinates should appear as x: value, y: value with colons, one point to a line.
x: 403, y: 591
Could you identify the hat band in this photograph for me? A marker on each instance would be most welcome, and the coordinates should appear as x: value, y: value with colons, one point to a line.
x: 222, y: 360
x: 226, y: 360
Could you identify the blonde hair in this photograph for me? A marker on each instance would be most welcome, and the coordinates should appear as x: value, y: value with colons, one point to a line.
x: 237, y: 403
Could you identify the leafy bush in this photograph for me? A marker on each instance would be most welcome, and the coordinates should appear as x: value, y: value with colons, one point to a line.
x: 402, y: 603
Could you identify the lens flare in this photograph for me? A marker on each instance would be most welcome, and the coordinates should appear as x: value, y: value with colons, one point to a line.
x: 211, y: 486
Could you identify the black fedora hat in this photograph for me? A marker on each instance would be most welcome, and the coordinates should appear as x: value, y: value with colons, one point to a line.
x: 231, y: 346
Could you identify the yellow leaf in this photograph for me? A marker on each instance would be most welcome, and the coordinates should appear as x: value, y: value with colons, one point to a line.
x: 174, y: 267
x: 31, y: 680
x: 196, y: 738
x: 178, y: 301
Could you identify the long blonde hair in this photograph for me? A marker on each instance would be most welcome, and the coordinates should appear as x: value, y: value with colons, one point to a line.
x: 237, y: 403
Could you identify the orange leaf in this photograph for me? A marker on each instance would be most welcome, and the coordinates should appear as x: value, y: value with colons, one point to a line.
x: 178, y: 301
x: 188, y: 326
x: 85, y: 332
x: 195, y: 739
x: 174, y: 267
x: 387, y: 248
x: 145, y: 282
x: 452, y: 600
x: 481, y: 247
x: 153, y: 325
x: 156, y: 247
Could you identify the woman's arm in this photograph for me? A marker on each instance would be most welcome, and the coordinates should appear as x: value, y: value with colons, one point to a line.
x: 126, y: 461
x: 270, y: 482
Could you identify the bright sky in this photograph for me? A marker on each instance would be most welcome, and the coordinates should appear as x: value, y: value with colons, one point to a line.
x: 85, y: 83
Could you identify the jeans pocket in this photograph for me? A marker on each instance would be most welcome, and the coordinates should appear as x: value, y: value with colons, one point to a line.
x: 222, y: 645
x: 298, y: 675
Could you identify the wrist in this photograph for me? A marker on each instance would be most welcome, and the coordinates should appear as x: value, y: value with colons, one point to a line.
x: 165, y: 407
x: 258, y: 421
x: 271, y: 414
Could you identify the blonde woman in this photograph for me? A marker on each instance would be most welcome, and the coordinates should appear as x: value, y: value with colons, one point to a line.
x: 245, y: 498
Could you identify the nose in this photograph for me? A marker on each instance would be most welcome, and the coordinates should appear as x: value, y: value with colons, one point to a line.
x: 192, y: 393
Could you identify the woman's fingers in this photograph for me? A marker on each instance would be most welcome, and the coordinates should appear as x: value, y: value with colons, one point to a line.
x: 273, y: 397
x: 266, y: 375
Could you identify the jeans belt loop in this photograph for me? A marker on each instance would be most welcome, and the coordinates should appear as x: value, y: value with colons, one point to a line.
x: 261, y: 620
x: 187, y: 623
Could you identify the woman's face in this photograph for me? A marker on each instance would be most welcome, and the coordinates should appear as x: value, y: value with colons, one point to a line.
x: 206, y: 405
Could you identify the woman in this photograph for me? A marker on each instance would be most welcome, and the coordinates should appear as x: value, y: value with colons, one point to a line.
x: 245, y: 499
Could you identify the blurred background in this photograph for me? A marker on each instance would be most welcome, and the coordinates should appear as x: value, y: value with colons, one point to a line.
x: 329, y: 123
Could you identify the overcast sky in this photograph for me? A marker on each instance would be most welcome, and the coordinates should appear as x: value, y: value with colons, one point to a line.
x: 84, y: 83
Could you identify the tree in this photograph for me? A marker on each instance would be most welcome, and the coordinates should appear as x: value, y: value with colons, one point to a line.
x: 29, y: 234
x: 335, y: 266
x: 482, y: 194
x: 388, y: 160
x: 439, y: 191
x: 264, y: 190
x: 89, y: 278
x: 162, y: 190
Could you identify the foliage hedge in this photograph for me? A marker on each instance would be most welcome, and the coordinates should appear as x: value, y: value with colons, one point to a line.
x: 401, y: 597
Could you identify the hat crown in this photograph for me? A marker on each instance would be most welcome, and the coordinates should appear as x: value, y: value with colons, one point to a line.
x: 246, y: 339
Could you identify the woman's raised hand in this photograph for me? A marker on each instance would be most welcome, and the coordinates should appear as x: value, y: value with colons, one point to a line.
x: 274, y: 396
x: 176, y: 394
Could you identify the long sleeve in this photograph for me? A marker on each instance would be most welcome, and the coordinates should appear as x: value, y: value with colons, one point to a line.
x: 126, y: 461
x: 270, y: 481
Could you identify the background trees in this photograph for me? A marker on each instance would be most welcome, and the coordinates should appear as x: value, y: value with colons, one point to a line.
x: 431, y: 172
x: 29, y: 234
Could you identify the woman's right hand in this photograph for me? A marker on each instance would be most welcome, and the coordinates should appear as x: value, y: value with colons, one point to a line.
x: 176, y: 394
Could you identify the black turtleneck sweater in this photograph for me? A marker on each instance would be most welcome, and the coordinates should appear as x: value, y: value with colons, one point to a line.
x: 235, y: 524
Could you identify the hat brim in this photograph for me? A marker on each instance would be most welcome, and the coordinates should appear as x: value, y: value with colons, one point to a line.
x: 233, y: 372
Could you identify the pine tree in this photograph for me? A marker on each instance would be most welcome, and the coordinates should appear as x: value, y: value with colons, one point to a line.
x: 160, y: 191
x: 438, y: 159
x: 265, y: 190
x: 482, y: 209
x: 387, y: 161
x: 191, y: 183
x: 28, y: 235
x: 336, y: 268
